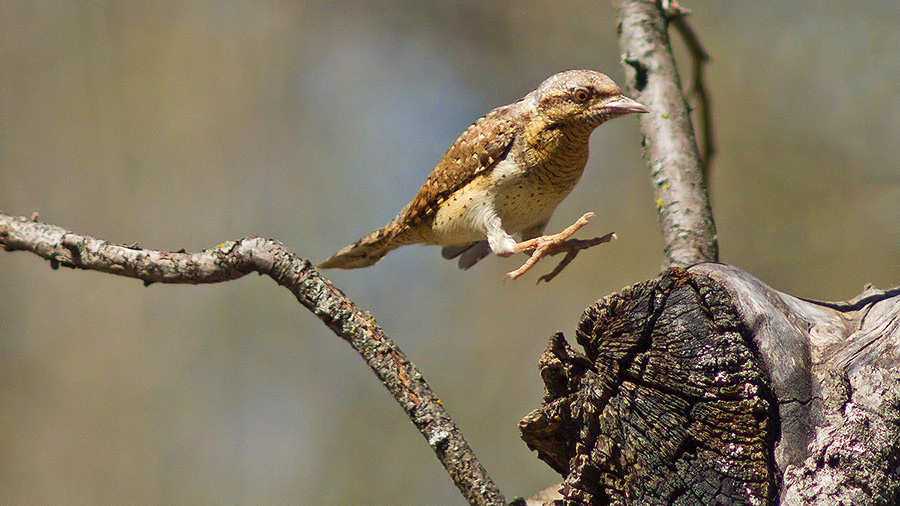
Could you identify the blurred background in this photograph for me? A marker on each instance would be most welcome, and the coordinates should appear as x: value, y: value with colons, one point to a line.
x: 185, y: 124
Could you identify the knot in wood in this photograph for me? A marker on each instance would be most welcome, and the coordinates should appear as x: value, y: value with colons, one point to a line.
x: 668, y: 404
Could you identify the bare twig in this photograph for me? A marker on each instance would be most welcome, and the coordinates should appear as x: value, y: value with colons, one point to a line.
x: 698, y: 90
x: 670, y: 148
x: 233, y: 260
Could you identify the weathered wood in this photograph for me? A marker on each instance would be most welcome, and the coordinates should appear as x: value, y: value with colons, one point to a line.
x: 706, y: 386
x: 668, y: 405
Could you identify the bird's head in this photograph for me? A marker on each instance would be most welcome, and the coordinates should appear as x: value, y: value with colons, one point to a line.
x: 581, y: 98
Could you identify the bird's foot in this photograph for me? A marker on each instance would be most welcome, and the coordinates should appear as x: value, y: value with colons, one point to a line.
x: 549, y: 245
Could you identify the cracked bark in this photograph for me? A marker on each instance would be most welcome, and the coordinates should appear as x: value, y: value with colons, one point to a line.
x: 705, y: 386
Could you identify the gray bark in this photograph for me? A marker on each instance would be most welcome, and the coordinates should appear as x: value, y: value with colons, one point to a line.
x: 685, y: 214
x: 233, y: 260
x: 706, y: 386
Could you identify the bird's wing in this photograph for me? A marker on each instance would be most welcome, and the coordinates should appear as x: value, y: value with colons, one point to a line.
x: 475, y: 152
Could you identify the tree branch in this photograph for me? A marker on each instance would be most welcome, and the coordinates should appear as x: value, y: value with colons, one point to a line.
x: 669, y: 145
x: 233, y: 260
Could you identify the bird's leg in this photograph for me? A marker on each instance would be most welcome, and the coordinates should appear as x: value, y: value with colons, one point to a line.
x: 549, y: 245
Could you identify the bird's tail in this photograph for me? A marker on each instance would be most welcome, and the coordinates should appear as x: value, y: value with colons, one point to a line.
x: 365, y: 251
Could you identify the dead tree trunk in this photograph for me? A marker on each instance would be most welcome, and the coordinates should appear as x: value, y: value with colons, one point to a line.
x: 705, y: 386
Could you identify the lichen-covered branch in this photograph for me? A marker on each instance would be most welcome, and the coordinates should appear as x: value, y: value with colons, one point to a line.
x: 233, y: 260
x: 669, y: 144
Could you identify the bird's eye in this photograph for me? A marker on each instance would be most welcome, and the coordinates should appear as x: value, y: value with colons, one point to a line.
x: 582, y: 95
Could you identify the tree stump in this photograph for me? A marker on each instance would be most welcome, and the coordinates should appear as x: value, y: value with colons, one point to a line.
x: 705, y: 386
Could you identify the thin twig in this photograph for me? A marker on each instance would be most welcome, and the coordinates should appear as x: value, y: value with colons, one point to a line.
x: 233, y: 260
x: 698, y: 90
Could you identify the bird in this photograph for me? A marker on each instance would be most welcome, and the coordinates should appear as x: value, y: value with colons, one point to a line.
x: 504, y: 177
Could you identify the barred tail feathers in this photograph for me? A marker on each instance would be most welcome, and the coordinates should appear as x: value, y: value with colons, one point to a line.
x: 364, y: 252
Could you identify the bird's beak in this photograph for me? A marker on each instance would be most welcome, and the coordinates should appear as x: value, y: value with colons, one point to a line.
x: 624, y: 105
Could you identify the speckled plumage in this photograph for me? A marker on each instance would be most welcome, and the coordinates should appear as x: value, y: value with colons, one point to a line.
x: 504, y: 175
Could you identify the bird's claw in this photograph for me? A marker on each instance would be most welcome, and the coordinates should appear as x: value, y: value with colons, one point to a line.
x: 549, y: 245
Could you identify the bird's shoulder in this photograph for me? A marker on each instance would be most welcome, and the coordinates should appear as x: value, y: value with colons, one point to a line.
x: 475, y: 152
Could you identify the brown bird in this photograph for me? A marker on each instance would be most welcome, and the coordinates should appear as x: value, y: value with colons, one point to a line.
x: 505, y: 175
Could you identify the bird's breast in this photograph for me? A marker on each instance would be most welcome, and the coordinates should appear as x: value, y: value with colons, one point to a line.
x: 521, y: 196
x: 526, y: 197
